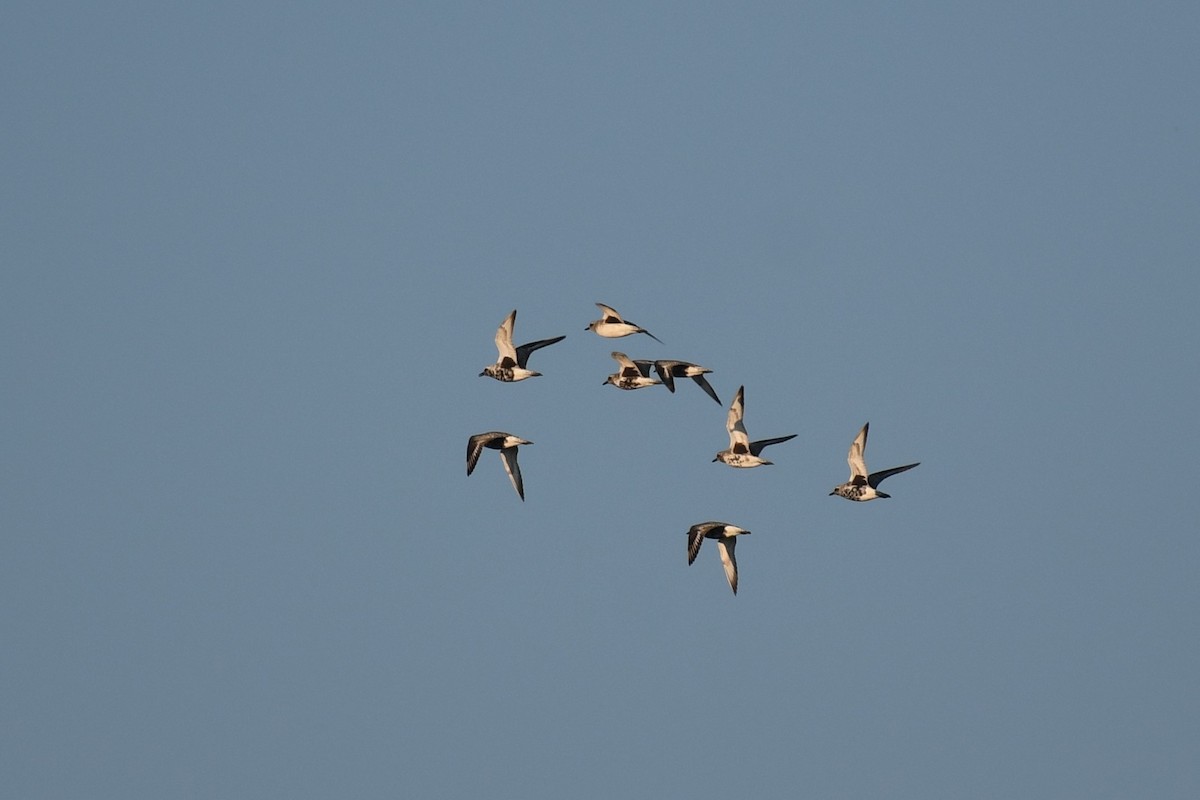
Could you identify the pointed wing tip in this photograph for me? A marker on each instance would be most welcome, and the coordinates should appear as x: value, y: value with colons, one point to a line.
x: 700, y: 381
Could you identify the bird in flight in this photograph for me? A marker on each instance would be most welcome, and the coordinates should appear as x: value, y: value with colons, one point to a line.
x: 630, y: 375
x: 724, y: 534
x: 862, y: 486
x: 507, y: 444
x: 511, y: 362
x: 742, y: 452
x: 612, y: 326
x: 669, y: 370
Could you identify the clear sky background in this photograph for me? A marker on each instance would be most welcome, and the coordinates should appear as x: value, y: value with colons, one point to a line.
x: 254, y: 256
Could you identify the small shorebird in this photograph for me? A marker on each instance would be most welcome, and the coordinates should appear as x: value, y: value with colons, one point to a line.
x: 669, y: 370
x: 630, y: 375
x: 507, y: 444
x: 511, y: 362
x: 612, y: 326
x: 861, y: 486
x: 742, y: 452
x: 724, y: 534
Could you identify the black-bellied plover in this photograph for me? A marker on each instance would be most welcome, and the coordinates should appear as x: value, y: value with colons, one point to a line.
x: 612, y: 326
x: 724, y: 534
x: 742, y: 452
x: 510, y: 363
x: 507, y: 444
x: 630, y: 375
x: 863, y: 486
x: 668, y: 370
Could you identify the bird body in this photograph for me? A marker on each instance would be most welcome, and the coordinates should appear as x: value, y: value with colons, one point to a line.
x: 863, y: 486
x: 724, y: 534
x: 743, y: 453
x: 668, y: 370
x: 612, y: 326
x: 511, y: 362
x: 631, y: 375
x: 507, y: 444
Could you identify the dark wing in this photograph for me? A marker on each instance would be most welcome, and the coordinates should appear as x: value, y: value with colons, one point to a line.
x: 699, y: 379
x: 648, y: 333
x: 524, y: 350
x: 665, y: 373
x: 757, y: 447
x: 474, y: 447
x: 695, y: 539
x: 644, y: 366
x: 875, y: 478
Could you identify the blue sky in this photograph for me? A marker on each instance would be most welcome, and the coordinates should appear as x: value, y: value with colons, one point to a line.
x: 254, y: 259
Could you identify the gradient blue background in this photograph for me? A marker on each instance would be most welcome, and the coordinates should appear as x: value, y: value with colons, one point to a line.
x: 254, y: 256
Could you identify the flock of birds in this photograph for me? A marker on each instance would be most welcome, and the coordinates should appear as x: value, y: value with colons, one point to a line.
x: 512, y: 364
